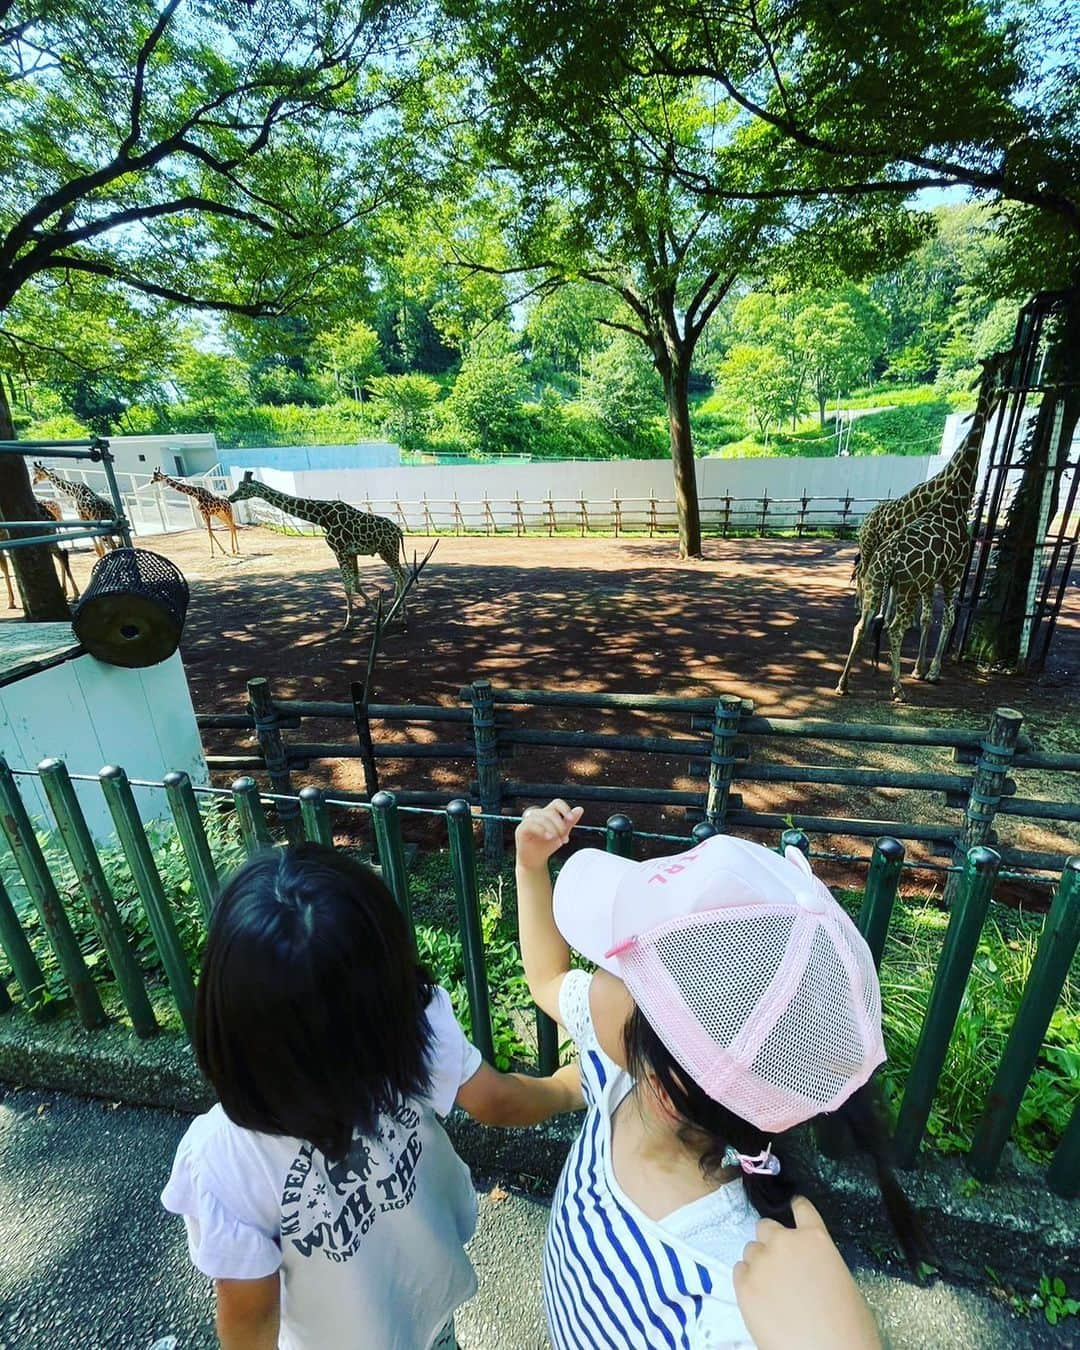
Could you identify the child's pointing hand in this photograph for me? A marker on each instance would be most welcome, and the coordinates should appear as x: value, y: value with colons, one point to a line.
x: 544, y: 830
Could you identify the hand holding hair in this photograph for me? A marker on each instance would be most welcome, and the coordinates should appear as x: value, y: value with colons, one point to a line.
x: 796, y: 1293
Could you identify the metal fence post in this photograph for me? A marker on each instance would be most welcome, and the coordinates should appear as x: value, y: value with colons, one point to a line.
x: 882, y: 880
x: 316, y: 817
x: 722, y: 761
x: 547, y: 1043
x: 21, y: 958
x: 268, y: 730
x: 35, y: 873
x: 619, y: 837
x: 463, y: 861
x: 486, y: 741
x: 1057, y: 947
x: 140, y: 858
x: 792, y: 838
x: 1063, y: 1177
x: 702, y: 831
x: 392, y: 855
x: 249, y: 812
x: 988, y: 782
x: 185, y: 813
x: 73, y: 829
x: 954, y: 966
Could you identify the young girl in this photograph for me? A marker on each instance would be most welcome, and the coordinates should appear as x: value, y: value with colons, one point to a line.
x: 733, y: 1000
x: 322, y: 1195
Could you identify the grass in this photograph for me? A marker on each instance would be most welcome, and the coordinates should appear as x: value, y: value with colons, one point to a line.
x: 1002, y: 965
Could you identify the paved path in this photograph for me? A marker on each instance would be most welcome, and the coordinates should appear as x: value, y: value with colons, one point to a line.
x: 88, y: 1259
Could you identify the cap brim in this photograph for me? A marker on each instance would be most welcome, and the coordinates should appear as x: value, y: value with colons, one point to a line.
x: 584, y: 902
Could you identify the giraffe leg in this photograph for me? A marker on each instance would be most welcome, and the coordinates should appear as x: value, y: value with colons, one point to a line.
x: 901, y: 622
x: 66, y: 574
x: 234, y: 542
x: 210, y: 532
x: 948, y: 618
x: 926, y: 618
x: 868, y: 607
x: 390, y: 559
x: 6, y: 567
x: 351, y: 581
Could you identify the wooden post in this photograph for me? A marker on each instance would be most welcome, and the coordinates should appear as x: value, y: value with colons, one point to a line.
x: 489, y: 519
x: 844, y: 516
x: 362, y: 722
x: 652, y: 514
x: 721, y: 760
x: 987, y: 787
x: 400, y: 515
x: 485, y: 737
x: 519, y: 522
x: 429, y: 524
x: 459, y: 520
x: 584, y: 516
x: 551, y: 515
x: 802, y: 515
x: 268, y: 730
x: 764, y: 514
x: 616, y: 510
x: 727, y: 514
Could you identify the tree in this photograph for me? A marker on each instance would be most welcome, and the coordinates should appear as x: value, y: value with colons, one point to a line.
x: 351, y: 352
x: 838, y: 336
x: 486, y: 400
x: 623, y: 386
x: 404, y: 404
x: 186, y: 152
x: 563, y: 328
x: 758, y: 380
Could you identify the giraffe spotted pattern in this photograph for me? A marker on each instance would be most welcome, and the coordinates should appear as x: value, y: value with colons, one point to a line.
x: 88, y: 505
x: 209, y: 506
x: 349, y: 533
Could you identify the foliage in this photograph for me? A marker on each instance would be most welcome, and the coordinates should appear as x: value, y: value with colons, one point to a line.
x: 758, y: 379
x: 623, y: 386
x: 351, y: 354
x: 486, y: 400
x: 403, y: 404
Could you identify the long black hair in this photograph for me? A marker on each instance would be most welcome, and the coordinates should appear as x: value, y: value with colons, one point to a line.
x: 859, y: 1119
x: 309, y: 1013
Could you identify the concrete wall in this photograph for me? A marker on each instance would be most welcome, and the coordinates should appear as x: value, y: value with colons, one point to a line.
x: 90, y: 714
x: 299, y: 458
x: 865, y: 479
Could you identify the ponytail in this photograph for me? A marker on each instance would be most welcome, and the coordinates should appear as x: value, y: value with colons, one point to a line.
x: 858, y: 1122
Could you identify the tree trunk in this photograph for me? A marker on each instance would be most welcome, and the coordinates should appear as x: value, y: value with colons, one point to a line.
x: 43, y: 599
x: 821, y: 400
x: 677, y: 397
x: 997, y: 631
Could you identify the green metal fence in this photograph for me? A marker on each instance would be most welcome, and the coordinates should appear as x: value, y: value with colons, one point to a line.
x: 974, y: 882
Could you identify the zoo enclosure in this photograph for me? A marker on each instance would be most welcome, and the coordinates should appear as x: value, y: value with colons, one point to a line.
x: 974, y: 874
x: 728, y: 747
x: 151, y: 508
x: 95, y: 451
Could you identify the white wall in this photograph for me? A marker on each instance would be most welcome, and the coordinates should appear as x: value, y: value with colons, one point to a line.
x: 141, y: 455
x: 90, y: 714
x: 865, y: 479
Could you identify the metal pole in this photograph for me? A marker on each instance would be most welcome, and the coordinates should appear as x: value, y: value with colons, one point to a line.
x: 140, y: 858
x: 316, y: 816
x: 1049, y: 970
x: 22, y: 960
x: 22, y: 840
x: 1063, y: 1177
x: 249, y: 812
x: 463, y: 860
x: 80, y: 847
x: 619, y: 838
x: 392, y: 855
x: 185, y: 813
x: 122, y: 528
x: 957, y: 953
x: 882, y: 880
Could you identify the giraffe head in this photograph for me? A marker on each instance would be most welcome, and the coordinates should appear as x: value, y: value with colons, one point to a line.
x: 157, y: 476
x: 40, y: 473
x: 247, y: 487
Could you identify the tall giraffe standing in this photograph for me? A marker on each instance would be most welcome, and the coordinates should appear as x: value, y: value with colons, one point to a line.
x: 88, y: 504
x: 209, y: 507
x: 924, y: 553
x: 349, y: 533
x: 50, y: 513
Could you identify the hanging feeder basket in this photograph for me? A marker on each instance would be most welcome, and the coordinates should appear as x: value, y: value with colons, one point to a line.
x: 132, y: 612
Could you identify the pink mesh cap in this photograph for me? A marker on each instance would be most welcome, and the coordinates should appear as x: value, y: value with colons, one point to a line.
x: 751, y: 974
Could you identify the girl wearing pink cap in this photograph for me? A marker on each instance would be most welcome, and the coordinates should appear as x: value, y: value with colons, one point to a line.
x: 733, y: 1000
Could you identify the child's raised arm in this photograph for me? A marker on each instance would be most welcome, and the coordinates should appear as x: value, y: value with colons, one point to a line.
x: 495, y: 1098
x: 544, y: 952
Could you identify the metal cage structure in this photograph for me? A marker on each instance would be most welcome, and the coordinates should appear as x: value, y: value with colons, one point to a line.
x: 1031, y: 399
x: 96, y: 450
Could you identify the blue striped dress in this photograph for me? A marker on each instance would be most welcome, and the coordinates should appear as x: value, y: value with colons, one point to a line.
x: 615, y: 1279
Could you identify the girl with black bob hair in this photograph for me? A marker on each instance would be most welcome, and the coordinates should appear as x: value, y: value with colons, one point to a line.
x: 322, y: 1194
x: 732, y: 1001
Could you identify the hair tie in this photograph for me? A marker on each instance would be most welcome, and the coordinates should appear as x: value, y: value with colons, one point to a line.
x: 760, y: 1165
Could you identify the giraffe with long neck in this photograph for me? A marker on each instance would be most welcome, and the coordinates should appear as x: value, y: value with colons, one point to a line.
x: 50, y: 513
x: 924, y: 553
x: 349, y: 533
x: 88, y: 505
x: 209, y: 507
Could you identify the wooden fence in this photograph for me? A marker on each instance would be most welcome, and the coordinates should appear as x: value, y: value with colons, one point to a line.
x: 42, y: 893
x: 728, y: 747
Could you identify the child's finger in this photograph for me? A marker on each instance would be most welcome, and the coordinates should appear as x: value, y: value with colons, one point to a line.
x: 768, y: 1229
x: 805, y: 1215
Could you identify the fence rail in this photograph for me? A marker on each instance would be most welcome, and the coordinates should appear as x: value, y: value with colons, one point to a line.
x: 728, y: 748
x: 976, y: 874
x: 725, y: 515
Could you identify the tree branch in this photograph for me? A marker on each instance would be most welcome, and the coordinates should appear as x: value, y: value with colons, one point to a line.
x: 96, y: 267
x: 145, y: 52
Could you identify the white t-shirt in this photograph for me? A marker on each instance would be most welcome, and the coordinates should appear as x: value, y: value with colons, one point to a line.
x: 613, y: 1277
x: 370, y: 1250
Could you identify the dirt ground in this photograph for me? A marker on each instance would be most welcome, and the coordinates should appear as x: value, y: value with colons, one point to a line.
x: 768, y: 619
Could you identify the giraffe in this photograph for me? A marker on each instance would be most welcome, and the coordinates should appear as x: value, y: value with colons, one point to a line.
x: 349, y: 532
x: 87, y: 503
x: 49, y: 512
x: 923, y: 553
x: 209, y: 506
